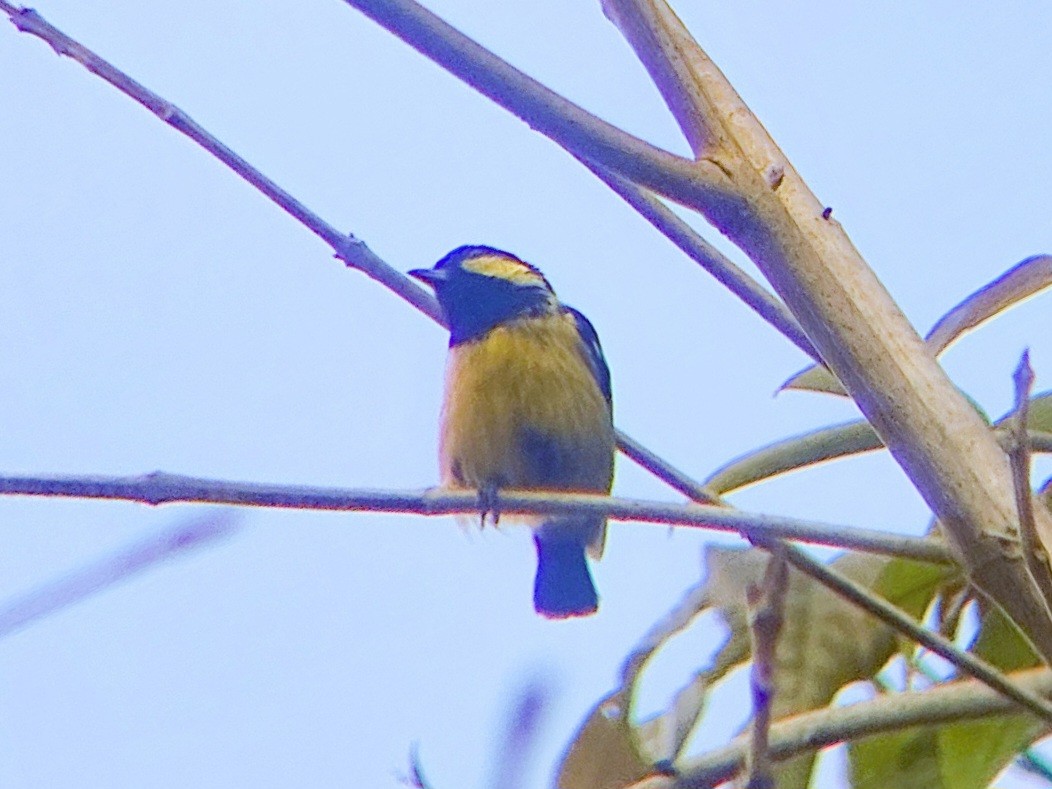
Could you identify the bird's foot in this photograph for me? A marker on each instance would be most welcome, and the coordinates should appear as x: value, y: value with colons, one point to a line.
x: 489, y: 502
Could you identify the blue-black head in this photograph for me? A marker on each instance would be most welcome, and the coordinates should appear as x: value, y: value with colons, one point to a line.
x: 481, y: 287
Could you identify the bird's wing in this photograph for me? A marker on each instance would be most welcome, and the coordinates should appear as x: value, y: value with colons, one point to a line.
x: 593, y: 352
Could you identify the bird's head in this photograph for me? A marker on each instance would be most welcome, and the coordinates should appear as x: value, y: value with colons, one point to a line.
x: 481, y: 287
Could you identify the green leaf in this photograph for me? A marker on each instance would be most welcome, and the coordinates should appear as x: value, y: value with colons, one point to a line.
x: 913, y: 585
x: 816, y: 378
x: 1039, y: 414
x: 1019, y: 283
x: 974, y: 752
x: 999, y: 642
x: 965, y: 755
x: 827, y: 642
x: 904, y: 760
x: 827, y: 443
x: 602, y: 754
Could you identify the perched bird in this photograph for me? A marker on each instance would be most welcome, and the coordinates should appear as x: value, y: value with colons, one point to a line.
x: 527, y: 405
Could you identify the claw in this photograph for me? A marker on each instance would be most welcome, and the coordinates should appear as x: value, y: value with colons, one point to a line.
x: 489, y: 501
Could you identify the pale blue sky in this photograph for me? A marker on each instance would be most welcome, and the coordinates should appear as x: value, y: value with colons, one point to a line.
x: 158, y: 313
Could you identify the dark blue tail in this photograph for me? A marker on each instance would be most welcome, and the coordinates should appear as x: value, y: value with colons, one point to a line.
x: 563, y: 587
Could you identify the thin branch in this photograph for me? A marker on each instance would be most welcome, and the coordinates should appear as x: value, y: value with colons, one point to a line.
x: 657, y: 48
x: 665, y: 471
x: 809, y: 731
x: 162, y: 488
x: 351, y: 250
x: 1019, y: 458
x: 767, y: 609
x: 74, y: 587
x: 1029, y: 759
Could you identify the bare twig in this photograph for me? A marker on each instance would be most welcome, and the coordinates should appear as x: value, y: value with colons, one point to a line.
x: 767, y: 606
x: 809, y: 731
x: 665, y: 471
x: 189, y: 535
x: 351, y: 250
x: 1019, y: 457
x: 416, y: 778
x: 162, y: 488
x: 521, y: 734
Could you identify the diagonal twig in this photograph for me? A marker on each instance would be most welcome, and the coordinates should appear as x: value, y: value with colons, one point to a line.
x: 892, y: 616
x: 886, y: 612
x: 351, y: 250
x: 93, y: 578
x: 578, y: 131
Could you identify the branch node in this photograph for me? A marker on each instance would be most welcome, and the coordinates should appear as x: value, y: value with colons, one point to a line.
x: 774, y: 174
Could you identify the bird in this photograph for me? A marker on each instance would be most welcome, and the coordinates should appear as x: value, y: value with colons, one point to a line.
x: 527, y: 405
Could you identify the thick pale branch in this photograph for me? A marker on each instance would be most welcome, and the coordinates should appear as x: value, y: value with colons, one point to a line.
x: 708, y: 257
x: 930, y: 429
x: 806, y: 733
x: 162, y: 488
x: 606, y: 149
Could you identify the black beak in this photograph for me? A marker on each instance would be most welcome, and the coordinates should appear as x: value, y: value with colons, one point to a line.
x: 429, y: 276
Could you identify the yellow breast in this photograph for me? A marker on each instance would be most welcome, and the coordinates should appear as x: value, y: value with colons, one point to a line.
x: 522, y: 385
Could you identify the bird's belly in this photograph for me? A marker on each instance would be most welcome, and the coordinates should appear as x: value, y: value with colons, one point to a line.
x: 523, y: 410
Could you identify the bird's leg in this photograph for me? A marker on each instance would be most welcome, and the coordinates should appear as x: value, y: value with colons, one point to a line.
x: 489, y: 501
